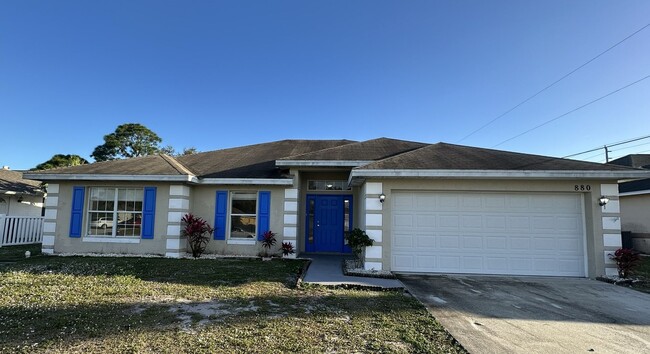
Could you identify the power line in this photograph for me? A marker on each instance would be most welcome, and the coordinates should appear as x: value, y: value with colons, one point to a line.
x: 627, y: 141
x: 629, y: 147
x: 552, y: 84
x: 571, y: 111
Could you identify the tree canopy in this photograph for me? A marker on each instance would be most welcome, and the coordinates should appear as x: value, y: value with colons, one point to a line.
x: 128, y: 140
x: 60, y: 160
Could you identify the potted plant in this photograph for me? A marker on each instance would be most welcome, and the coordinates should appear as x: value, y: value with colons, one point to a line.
x: 198, y: 233
x: 268, y: 241
x: 358, y: 240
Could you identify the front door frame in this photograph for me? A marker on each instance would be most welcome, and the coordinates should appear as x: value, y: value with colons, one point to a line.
x: 312, y: 247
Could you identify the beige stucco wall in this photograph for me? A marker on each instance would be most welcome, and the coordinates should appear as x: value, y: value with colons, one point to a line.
x: 63, y: 243
x: 596, y: 250
x: 203, y: 204
x: 635, y: 213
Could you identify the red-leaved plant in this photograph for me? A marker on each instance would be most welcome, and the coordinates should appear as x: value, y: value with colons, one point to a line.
x: 287, y: 249
x: 198, y: 233
x: 268, y: 241
x: 626, y: 260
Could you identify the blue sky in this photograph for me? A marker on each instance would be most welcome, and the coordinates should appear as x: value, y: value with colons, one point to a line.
x: 217, y: 74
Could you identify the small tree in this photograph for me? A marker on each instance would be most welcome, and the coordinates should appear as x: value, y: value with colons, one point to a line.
x: 626, y: 260
x: 198, y: 233
x: 128, y: 140
x: 358, y: 240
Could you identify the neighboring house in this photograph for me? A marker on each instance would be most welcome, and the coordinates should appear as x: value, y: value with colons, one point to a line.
x: 635, y: 202
x: 429, y: 207
x: 19, y: 196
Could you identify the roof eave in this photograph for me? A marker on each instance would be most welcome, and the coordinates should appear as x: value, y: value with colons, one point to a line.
x: 248, y: 181
x: 321, y: 163
x: 110, y: 177
x: 357, y: 176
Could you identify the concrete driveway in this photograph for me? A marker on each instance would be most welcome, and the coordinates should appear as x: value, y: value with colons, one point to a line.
x: 493, y: 314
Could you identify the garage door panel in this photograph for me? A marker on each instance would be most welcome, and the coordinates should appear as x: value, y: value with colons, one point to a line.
x: 487, y: 233
x: 475, y: 242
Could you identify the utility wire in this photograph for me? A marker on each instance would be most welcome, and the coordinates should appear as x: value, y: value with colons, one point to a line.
x: 627, y: 141
x: 629, y: 147
x: 573, y: 110
x: 552, y: 84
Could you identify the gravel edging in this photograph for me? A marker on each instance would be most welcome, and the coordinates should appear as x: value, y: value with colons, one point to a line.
x: 348, y: 270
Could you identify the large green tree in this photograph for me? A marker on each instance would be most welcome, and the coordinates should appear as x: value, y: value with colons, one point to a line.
x: 60, y: 160
x: 128, y: 140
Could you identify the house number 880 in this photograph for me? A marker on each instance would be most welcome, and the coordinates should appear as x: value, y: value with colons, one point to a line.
x: 582, y: 187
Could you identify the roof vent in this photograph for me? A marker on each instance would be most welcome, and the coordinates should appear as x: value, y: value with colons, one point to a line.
x: 6, y: 167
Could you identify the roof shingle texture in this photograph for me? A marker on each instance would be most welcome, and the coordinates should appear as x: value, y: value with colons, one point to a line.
x: 442, y: 156
x: 145, y: 165
x: 252, y: 161
x: 13, y: 181
x: 633, y: 160
x: 370, y: 150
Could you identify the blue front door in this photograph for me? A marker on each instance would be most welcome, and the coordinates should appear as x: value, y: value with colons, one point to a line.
x: 328, y: 218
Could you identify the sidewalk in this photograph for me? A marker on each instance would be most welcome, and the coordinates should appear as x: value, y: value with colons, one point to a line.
x: 328, y: 270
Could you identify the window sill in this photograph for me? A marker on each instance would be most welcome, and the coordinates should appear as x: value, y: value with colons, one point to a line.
x: 241, y: 242
x: 111, y: 239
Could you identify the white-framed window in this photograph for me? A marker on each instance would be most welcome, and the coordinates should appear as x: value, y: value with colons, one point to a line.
x: 243, y: 216
x: 115, y: 212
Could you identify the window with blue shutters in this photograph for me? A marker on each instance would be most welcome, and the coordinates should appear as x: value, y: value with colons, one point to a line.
x: 121, y: 212
x: 242, y: 216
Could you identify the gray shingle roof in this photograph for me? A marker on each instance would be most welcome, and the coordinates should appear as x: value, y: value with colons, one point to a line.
x: 252, y: 161
x: 633, y: 160
x: 442, y: 156
x: 13, y: 181
x: 145, y: 165
x: 370, y: 150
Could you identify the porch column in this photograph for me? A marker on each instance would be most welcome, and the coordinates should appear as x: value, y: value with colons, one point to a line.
x: 179, y: 205
x: 611, y: 219
x: 374, y: 225
x: 290, y: 218
x: 49, y: 222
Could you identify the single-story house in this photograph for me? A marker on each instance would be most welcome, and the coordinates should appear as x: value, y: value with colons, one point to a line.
x: 635, y: 202
x: 19, y: 196
x: 429, y: 207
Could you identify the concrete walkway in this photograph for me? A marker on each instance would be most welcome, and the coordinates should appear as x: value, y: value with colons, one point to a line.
x: 328, y: 270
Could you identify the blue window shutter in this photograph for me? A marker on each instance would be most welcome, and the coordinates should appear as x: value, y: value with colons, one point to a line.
x: 263, y: 214
x: 76, y: 217
x: 148, y: 212
x: 220, y: 215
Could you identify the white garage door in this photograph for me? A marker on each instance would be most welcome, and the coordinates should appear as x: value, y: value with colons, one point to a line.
x: 488, y: 233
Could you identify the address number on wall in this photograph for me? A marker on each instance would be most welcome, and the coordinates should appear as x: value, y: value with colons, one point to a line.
x: 582, y: 187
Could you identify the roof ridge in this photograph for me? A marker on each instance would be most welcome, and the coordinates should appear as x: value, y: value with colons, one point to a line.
x: 176, y: 165
x: 352, y: 142
x: 397, y: 155
x: 268, y: 142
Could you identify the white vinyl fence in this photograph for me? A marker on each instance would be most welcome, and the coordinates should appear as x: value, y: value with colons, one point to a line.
x: 20, y: 230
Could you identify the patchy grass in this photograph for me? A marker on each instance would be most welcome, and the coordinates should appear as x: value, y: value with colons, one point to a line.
x: 17, y: 253
x: 82, y: 304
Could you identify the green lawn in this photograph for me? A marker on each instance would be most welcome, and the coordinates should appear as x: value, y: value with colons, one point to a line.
x: 16, y: 253
x: 82, y: 304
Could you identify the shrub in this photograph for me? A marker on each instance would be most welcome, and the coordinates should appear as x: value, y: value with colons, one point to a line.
x: 198, y: 233
x: 287, y: 249
x: 357, y: 240
x: 626, y: 260
x: 268, y: 241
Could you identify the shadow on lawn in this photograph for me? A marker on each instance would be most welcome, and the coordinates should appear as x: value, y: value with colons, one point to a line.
x: 24, y: 326
x: 202, y: 272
